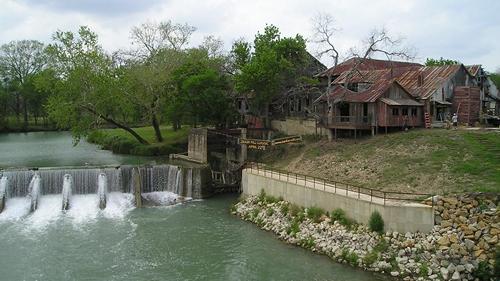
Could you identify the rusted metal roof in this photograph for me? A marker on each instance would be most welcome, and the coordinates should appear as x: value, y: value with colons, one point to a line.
x: 340, y: 93
x: 423, y: 82
x: 396, y: 102
x: 365, y: 64
x: 362, y: 76
x: 473, y: 69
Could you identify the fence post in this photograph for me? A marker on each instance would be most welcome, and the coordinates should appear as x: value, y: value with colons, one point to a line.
x: 359, y: 191
x: 384, y: 198
x: 324, y: 185
x: 346, y: 190
x: 371, y: 195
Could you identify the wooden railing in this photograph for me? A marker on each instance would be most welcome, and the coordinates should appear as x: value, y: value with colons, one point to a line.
x: 347, y: 120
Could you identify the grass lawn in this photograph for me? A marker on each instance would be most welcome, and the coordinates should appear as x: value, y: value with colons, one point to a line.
x: 148, y: 133
x: 430, y: 161
x: 120, y: 141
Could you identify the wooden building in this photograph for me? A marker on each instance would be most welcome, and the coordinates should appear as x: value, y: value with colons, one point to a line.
x: 370, y: 100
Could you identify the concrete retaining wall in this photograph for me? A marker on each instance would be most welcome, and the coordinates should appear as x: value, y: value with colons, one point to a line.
x: 397, y: 217
x: 292, y: 126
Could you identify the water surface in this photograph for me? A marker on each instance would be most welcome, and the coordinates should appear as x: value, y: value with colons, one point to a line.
x: 52, y: 149
x: 193, y: 241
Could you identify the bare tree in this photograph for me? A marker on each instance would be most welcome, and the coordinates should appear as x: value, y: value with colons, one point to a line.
x: 379, y: 43
x: 325, y: 35
x: 151, y: 37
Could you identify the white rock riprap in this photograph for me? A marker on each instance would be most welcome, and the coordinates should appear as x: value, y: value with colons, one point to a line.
x: 465, y: 237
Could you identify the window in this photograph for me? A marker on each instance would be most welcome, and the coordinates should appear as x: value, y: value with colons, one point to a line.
x: 308, y: 101
x: 299, y: 105
x: 240, y: 104
x: 292, y: 105
x: 404, y: 111
x: 413, y: 111
x: 395, y: 111
x: 353, y: 87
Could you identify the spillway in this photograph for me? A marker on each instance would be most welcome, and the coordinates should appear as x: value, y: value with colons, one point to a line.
x: 160, y: 184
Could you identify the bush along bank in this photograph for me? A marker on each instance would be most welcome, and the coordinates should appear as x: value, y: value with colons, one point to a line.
x: 123, y: 145
x: 448, y: 252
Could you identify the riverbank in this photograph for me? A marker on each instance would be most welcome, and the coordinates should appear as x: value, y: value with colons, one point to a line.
x: 121, y: 142
x: 433, y: 161
x: 462, y: 246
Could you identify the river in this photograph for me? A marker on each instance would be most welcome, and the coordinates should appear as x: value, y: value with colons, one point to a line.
x: 198, y: 240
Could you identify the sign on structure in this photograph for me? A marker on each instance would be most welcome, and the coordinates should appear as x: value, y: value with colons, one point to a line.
x: 262, y: 144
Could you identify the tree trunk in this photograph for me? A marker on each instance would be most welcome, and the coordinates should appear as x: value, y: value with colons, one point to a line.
x: 113, y: 122
x: 25, y: 114
x: 18, y: 108
x: 156, y: 126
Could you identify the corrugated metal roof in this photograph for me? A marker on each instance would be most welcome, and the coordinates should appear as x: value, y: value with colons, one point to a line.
x: 432, y: 77
x: 365, y: 64
x: 362, y: 76
x: 339, y: 93
x: 407, y: 102
x: 473, y: 69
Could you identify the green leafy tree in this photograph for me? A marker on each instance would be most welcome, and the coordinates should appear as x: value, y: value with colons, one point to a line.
x: 272, y: 66
x: 158, y: 51
x: 439, y: 62
x: 19, y: 61
x: 495, y: 77
x: 87, y: 92
x: 202, y: 90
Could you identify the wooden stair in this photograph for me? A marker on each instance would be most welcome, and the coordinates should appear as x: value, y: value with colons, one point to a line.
x: 427, y: 119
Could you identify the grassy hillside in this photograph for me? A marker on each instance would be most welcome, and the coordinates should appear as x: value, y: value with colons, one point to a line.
x: 120, y: 141
x: 430, y: 161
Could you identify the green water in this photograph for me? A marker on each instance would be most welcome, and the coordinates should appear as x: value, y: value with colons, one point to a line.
x: 51, y: 149
x: 194, y: 241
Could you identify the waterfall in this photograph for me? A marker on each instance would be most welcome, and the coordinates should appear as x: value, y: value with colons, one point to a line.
x: 4, y: 189
x: 102, y: 190
x: 35, y: 192
x: 66, y: 192
x: 184, y: 181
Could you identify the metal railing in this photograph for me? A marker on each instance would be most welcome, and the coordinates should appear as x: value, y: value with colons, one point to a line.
x: 341, y: 188
x: 347, y: 120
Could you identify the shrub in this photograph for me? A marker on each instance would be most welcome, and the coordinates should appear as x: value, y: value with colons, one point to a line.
x: 340, y: 216
x: 315, y: 213
x: 255, y: 212
x: 307, y: 243
x: 294, y: 228
x: 376, y: 223
x: 370, y: 258
x: 262, y: 196
x: 269, y: 212
x: 483, y: 271
x: 352, y: 258
x: 423, y: 270
x: 270, y: 199
x: 284, y: 208
x: 381, y: 246
x: 295, y: 210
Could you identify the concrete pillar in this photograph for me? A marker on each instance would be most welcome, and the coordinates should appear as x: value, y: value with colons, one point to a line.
x: 137, y: 187
x: 243, y: 147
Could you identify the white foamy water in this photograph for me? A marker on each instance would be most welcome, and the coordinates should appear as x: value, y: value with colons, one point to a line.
x: 164, y: 198
x: 15, y: 209
x: 83, y: 209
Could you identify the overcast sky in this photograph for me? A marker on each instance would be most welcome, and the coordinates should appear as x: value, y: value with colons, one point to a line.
x: 467, y: 31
